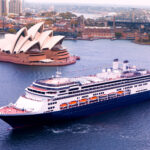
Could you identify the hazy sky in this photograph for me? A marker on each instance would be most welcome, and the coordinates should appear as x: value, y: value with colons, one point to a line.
x: 115, y: 2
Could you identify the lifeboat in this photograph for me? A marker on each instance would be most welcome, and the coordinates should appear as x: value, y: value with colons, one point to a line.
x: 93, y: 99
x: 73, y: 104
x: 120, y: 92
x: 63, y: 106
x: 82, y: 101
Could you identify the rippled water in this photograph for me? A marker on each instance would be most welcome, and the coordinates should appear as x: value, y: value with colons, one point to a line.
x: 125, y: 129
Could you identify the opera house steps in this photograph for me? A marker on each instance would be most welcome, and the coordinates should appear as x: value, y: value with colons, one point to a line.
x: 35, y: 47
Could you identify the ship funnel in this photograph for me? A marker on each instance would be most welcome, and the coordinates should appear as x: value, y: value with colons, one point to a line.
x: 125, y: 65
x: 115, y: 64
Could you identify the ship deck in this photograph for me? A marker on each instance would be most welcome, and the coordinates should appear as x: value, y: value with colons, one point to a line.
x: 11, y: 110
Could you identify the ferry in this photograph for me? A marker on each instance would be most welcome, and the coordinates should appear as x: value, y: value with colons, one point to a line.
x: 58, y: 99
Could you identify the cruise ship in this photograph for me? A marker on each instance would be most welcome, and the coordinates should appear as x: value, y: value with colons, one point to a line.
x: 57, y: 99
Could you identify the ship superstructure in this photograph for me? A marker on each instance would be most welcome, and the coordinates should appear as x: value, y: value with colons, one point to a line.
x: 59, y: 98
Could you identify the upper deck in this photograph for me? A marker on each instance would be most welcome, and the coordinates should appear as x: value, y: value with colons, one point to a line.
x: 53, y: 85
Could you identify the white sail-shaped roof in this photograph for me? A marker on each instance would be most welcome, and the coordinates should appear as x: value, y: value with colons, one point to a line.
x: 18, y: 37
x: 29, y: 45
x: 25, y: 39
x: 45, y: 36
x: 52, y: 42
x: 34, y: 30
x: 4, y: 46
x: 22, y: 42
x: 12, y: 40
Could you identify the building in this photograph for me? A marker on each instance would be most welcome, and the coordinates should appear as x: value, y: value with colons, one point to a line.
x: 3, y: 7
x: 15, y: 7
x: 0, y: 8
x: 98, y: 33
x: 35, y: 47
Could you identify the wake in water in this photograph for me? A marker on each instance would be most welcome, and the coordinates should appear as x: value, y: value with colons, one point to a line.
x: 77, y: 129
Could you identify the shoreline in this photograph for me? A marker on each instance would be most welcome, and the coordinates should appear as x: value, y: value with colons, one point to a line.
x: 142, y: 43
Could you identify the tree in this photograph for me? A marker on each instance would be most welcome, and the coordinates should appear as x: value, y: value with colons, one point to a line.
x: 12, y: 30
x: 48, y: 14
x: 67, y: 15
x: 49, y: 22
x: 28, y: 14
x: 29, y: 25
x: 118, y: 35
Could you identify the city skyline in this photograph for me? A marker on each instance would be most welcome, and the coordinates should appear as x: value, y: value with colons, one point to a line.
x: 100, y: 2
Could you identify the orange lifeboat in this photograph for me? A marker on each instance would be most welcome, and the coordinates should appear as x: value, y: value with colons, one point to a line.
x: 73, y: 103
x: 93, y: 98
x: 120, y: 92
x: 83, y: 101
x: 63, y: 105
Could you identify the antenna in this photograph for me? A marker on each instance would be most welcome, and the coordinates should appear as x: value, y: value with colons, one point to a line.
x: 58, y: 73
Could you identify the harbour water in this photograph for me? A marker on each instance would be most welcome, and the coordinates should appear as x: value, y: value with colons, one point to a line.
x: 123, y: 129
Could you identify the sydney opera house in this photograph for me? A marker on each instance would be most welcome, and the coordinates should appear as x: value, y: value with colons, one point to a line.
x: 35, y: 47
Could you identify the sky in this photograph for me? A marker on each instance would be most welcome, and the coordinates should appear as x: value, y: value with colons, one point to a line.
x: 109, y: 2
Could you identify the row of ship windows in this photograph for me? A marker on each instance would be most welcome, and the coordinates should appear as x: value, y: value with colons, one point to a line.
x: 135, y: 86
x: 86, y: 96
x: 103, y: 87
x: 66, y: 84
x: 141, y: 90
x: 36, y: 91
x: 116, y: 83
x: 80, y: 94
x: 99, y: 87
x: 96, y: 91
x: 52, y: 103
x: 51, y: 107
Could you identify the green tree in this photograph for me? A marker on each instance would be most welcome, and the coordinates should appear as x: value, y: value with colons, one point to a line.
x: 67, y: 15
x: 29, y: 25
x: 118, y: 35
x: 12, y: 30
x: 48, y: 14
x: 49, y: 22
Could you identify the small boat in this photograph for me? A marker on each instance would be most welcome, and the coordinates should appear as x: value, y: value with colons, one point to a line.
x: 93, y: 99
x: 63, y: 106
x: 83, y: 101
x: 73, y: 104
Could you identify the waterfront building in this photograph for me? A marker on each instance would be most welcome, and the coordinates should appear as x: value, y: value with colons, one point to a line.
x: 98, y: 33
x: 0, y: 8
x: 3, y: 7
x: 15, y: 7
